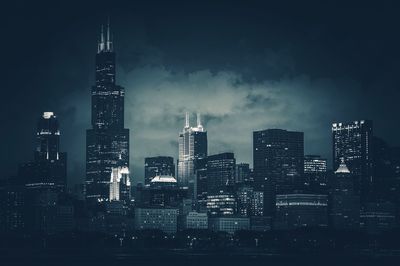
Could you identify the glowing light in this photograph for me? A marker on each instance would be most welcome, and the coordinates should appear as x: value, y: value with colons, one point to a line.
x: 48, y: 115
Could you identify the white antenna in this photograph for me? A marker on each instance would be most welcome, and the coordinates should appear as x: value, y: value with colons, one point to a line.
x: 109, y: 42
x: 101, y: 43
x: 187, y: 122
x: 198, y: 120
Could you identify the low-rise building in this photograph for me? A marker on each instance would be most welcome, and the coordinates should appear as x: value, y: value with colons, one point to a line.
x: 164, y: 219
x: 229, y: 224
x: 301, y: 210
x: 195, y: 220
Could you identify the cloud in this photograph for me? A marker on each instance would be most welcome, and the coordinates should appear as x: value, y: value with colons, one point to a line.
x: 156, y: 99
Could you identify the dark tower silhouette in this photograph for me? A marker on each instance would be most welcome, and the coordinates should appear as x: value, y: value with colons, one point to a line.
x: 345, y: 204
x: 278, y: 163
x: 352, y: 142
x: 49, y: 167
x: 107, y: 142
x: 44, y: 179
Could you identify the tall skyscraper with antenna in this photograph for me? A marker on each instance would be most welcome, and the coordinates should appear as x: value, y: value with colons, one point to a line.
x: 107, y: 142
x: 192, y: 147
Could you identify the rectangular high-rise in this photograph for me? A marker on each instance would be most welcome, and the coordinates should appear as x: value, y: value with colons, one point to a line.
x: 220, y: 172
x: 278, y: 163
x: 221, y: 199
x: 192, y: 147
x: 352, y: 142
x: 107, y: 142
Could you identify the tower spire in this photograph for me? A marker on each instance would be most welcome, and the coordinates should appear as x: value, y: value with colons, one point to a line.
x: 109, y: 42
x: 198, y: 120
x: 199, y: 125
x: 187, y: 120
x: 101, y: 43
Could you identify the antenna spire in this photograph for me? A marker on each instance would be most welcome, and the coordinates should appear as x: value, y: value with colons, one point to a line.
x: 187, y: 120
x: 198, y: 120
x: 101, y: 43
x: 109, y: 42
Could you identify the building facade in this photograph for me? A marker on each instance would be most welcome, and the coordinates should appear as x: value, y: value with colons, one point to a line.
x: 352, y: 141
x: 229, y: 224
x: 200, y: 188
x: 249, y: 202
x: 344, y: 201
x: 278, y: 164
x: 242, y: 173
x: 195, y: 220
x: 120, y: 185
x: 301, y: 210
x: 315, y: 173
x: 164, y: 219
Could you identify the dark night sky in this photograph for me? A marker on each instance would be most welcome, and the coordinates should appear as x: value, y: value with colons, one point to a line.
x: 246, y: 66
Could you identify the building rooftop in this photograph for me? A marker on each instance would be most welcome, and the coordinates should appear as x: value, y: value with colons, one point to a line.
x: 163, y: 179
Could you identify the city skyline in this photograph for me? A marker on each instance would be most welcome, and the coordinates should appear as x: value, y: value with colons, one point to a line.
x: 163, y: 89
x: 211, y: 132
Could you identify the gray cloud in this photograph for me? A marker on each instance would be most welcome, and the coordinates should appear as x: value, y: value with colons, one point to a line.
x: 156, y: 99
x: 231, y: 107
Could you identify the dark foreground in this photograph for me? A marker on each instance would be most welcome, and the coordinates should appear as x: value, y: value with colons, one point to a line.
x: 188, y: 258
x: 205, y: 248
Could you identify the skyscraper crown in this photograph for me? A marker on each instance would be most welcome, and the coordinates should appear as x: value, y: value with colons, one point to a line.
x: 105, y: 44
x: 342, y: 169
x: 187, y: 127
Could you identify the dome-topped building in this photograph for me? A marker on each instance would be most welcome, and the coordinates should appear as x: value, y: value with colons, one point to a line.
x: 342, y: 169
x: 163, y: 179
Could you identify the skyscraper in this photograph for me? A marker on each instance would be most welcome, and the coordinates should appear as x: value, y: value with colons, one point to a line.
x: 45, y: 177
x: 159, y: 165
x: 278, y: 163
x: 49, y: 168
x: 220, y: 184
x: 192, y: 146
x: 107, y: 142
x: 352, y: 141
